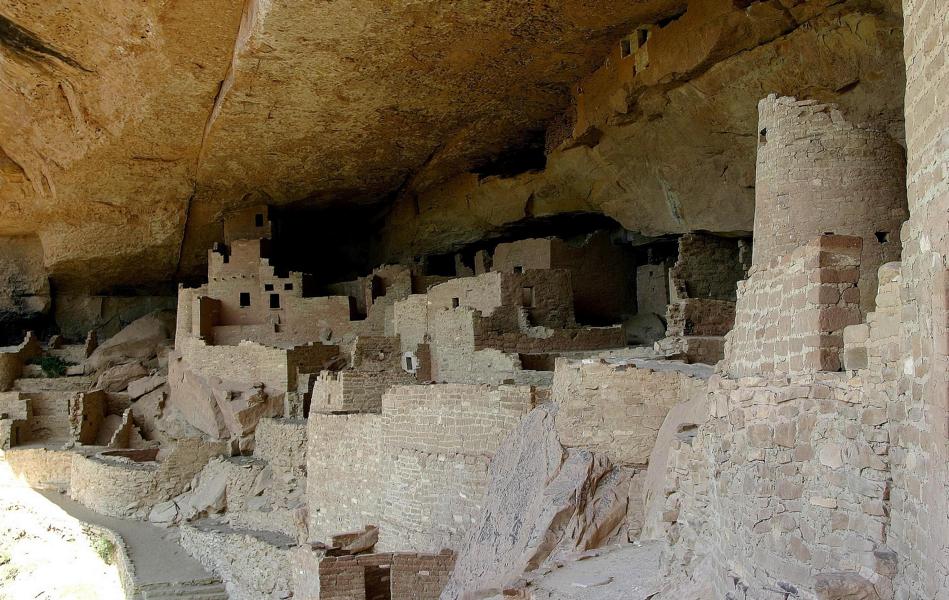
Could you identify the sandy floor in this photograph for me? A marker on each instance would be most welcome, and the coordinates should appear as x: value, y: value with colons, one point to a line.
x: 627, y: 572
x: 45, y: 554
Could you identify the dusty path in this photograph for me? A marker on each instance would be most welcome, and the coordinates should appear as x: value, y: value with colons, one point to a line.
x: 47, y: 554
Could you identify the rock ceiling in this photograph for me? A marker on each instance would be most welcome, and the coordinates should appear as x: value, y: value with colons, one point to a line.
x: 126, y: 128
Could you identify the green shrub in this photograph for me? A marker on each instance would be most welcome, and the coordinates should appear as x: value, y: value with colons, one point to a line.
x: 103, y: 547
x: 53, y: 366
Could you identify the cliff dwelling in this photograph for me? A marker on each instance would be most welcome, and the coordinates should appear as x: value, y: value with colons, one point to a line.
x: 568, y: 300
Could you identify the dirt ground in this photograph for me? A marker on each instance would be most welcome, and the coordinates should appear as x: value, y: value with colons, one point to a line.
x: 45, y: 554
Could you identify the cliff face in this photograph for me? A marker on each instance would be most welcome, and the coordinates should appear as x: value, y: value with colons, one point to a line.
x: 126, y: 130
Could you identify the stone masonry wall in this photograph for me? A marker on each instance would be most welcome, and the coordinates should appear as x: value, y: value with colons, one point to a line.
x: 437, y: 442
x: 799, y: 499
x: 345, y: 478
x: 791, y: 313
x: 818, y: 173
x: 920, y: 496
x: 707, y: 267
x: 411, y: 576
x: 354, y: 391
x: 616, y: 409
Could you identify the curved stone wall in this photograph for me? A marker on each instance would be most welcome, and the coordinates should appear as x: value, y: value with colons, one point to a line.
x: 817, y: 173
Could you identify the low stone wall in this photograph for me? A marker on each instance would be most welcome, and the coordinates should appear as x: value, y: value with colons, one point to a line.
x: 437, y: 443
x: 616, y: 409
x: 398, y: 576
x: 39, y: 467
x: 791, y: 313
x: 253, y: 565
x: 344, y: 484
x: 354, y: 391
x: 122, y: 487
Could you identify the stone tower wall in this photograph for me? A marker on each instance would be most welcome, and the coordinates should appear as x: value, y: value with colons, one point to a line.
x: 817, y: 173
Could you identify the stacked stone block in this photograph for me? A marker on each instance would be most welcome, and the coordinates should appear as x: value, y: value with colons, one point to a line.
x: 791, y: 314
x: 345, y: 477
x: 437, y: 444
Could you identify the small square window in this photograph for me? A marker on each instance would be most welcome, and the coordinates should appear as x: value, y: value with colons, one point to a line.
x: 268, y: 287
x: 455, y: 303
x: 274, y: 300
x: 288, y: 286
x: 518, y: 269
x: 259, y: 220
x: 245, y: 299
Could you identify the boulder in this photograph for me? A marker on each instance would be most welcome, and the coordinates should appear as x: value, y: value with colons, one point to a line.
x: 140, y: 387
x: 147, y: 410
x: 140, y: 340
x: 219, y: 408
x: 680, y: 423
x: 543, y: 504
x: 117, y: 378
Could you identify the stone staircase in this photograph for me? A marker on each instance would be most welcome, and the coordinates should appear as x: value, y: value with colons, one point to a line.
x: 207, y: 589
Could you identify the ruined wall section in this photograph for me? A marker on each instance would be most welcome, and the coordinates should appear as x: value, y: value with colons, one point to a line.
x: 345, y: 477
x: 616, y: 409
x: 791, y: 313
x: 708, y: 267
x: 438, y: 441
x: 818, y: 173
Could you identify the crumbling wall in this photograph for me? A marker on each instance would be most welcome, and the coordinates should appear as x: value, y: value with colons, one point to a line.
x: 817, y: 173
x: 345, y: 477
x: 616, y: 409
x: 129, y: 483
x: 248, y: 362
x: 708, y: 267
x: 700, y: 317
x: 792, y: 312
x: 392, y: 575
x: 354, y: 391
x: 438, y: 441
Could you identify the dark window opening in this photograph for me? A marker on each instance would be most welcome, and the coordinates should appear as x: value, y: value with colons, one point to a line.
x: 408, y: 363
x: 883, y: 236
x: 527, y: 297
x: 455, y: 303
x: 288, y: 286
x: 518, y: 269
x: 763, y: 136
x: 268, y: 287
x: 245, y: 299
x: 671, y: 19
x: 642, y: 36
x: 274, y: 300
x: 259, y: 220
x: 625, y: 48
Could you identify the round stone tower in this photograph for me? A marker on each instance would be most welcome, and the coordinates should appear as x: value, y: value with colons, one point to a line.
x: 817, y: 173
